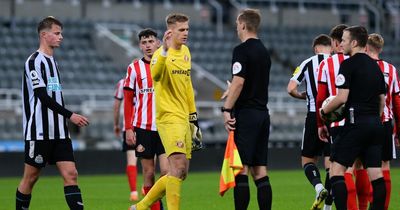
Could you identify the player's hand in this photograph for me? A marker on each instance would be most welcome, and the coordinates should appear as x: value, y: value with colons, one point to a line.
x: 130, y: 137
x: 323, y: 133
x: 167, y: 39
x: 225, y: 94
x: 323, y: 115
x: 79, y: 120
x: 197, y: 136
x: 117, y: 130
x: 229, y: 122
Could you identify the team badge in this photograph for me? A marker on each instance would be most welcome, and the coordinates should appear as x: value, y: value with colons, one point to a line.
x: 180, y: 144
x: 154, y: 61
x: 340, y: 80
x: 140, y: 148
x: 236, y: 68
x: 39, y: 159
x: 186, y: 58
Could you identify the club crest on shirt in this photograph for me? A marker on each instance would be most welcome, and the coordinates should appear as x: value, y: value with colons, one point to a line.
x: 340, y: 80
x: 180, y: 144
x: 236, y: 68
x: 39, y: 159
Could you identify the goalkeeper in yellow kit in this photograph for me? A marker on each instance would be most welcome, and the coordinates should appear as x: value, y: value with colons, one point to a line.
x: 176, y: 116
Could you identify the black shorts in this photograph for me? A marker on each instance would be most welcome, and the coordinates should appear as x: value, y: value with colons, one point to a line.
x: 361, y: 140
x: 388, y: 147
x: 311, y: 145
x: 125, y: 146
x: 148, y: 144
x: 39, y: 153
x: 252, y: 135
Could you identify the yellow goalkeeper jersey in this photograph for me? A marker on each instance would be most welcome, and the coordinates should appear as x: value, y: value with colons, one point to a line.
x: 173, y: 85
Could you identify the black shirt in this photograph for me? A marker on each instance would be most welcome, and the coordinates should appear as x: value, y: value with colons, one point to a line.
x: 364, y: 79
x: 252, y: 62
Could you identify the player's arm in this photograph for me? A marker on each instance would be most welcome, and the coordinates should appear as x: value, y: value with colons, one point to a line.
x: 117, y: 106
x: 293, y: 91
x: 297, y: 78
x: 129, y: 106
x: 157, y: 64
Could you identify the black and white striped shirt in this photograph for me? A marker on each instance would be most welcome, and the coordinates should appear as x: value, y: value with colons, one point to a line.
x: 308, y: 71
x: 45, y: 117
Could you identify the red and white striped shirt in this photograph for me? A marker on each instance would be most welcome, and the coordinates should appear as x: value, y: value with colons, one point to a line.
x: 391, y: 80
x: 327, y: 72
x: 119, y: 95
x: 138, y: 78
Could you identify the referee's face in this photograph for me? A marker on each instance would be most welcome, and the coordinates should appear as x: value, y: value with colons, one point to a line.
x: 346, y: 43
x: 53, y: 37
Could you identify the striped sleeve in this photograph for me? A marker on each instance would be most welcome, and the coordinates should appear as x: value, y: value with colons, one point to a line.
x: 322, y: 69
x: 298, y: 74
x: 396, y: 87
x: 33, y: 71
x: 119, y: 90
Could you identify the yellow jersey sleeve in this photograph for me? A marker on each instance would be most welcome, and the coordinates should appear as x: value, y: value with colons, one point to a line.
x: 173, y: 86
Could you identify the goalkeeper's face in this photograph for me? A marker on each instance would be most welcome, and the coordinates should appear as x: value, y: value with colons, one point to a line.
x: 180, y: 32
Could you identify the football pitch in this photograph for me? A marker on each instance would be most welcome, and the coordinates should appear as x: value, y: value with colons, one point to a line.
x: 291, y: 191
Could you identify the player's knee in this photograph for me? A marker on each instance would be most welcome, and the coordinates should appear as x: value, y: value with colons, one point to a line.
x: 148, y: 174
x: 71, y: 176
x: 32, y: 179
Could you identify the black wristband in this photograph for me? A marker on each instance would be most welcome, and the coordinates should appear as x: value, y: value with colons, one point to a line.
x: 223, y: 109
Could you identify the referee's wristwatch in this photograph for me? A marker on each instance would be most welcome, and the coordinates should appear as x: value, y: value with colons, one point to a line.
x: 223, y: 109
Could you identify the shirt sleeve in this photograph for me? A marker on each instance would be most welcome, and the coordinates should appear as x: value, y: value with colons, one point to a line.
x: 239, y: 63
x: 119, y: 90
x: 130, y: 79
x: 322, y: 69
x: 343, y: 79
x: 298, y: 74
x: 157, y: 65
x: 34, y: 73
x: 396, y: 88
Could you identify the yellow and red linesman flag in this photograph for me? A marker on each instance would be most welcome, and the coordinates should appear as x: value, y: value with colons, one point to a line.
x: 231, y: 166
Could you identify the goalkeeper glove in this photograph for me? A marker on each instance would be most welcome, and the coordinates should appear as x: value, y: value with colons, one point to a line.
x: 197, y: 143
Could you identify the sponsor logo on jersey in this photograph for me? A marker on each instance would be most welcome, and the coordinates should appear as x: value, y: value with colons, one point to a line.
x: 182, y: 72
x: 34, y: 77
x: 53, y: 84
x: 146, y: 90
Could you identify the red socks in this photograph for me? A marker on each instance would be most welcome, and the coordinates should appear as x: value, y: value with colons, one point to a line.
x: 363, y: 186
x: 156, y: 205
x: 131, y: 172
x: 388, y: 185
x: 351, y: 192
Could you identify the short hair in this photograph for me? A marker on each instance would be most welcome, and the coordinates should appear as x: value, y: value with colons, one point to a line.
x: 176, y: 17
x: 251, y: 19
x: 358, y: 33
x: 322, y: 39
x: 147, y: 32
x: 47, y: 23
x: 337, y: 32
x: 376, y: 41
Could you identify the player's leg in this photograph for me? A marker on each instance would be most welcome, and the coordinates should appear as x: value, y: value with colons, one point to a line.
x: 363, y: 185
x: 62, y: 155
x: 311, y: 148
x: 351, y: 189
x: 388, y: 182
x: 24, y: 190
x: 388, y: 154
x: 328, y: 186
x: 373, y: 157
x: 339, y: 191
x: 131, y: 169
x: 71, y: 190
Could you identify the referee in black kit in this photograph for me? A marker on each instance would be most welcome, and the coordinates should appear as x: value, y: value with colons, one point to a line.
x: 47, y: 139
x: 361, y: 88
x: 248, y: 96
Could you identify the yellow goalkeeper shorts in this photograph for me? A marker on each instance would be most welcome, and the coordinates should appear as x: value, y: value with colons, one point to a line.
x: 176, y: 138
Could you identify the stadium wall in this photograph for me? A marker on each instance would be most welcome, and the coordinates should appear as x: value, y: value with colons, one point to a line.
x: 113, y: 161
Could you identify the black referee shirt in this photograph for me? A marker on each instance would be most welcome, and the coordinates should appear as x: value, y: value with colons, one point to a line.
x: 362, y: 76
x: 252, y: 62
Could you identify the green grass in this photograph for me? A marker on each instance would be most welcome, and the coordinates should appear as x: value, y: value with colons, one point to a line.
x: 291, y: 191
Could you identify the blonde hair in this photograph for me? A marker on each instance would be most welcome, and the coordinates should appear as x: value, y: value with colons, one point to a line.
x: 251, y: 18
x: 375, y: 41
x: 176, y: 17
